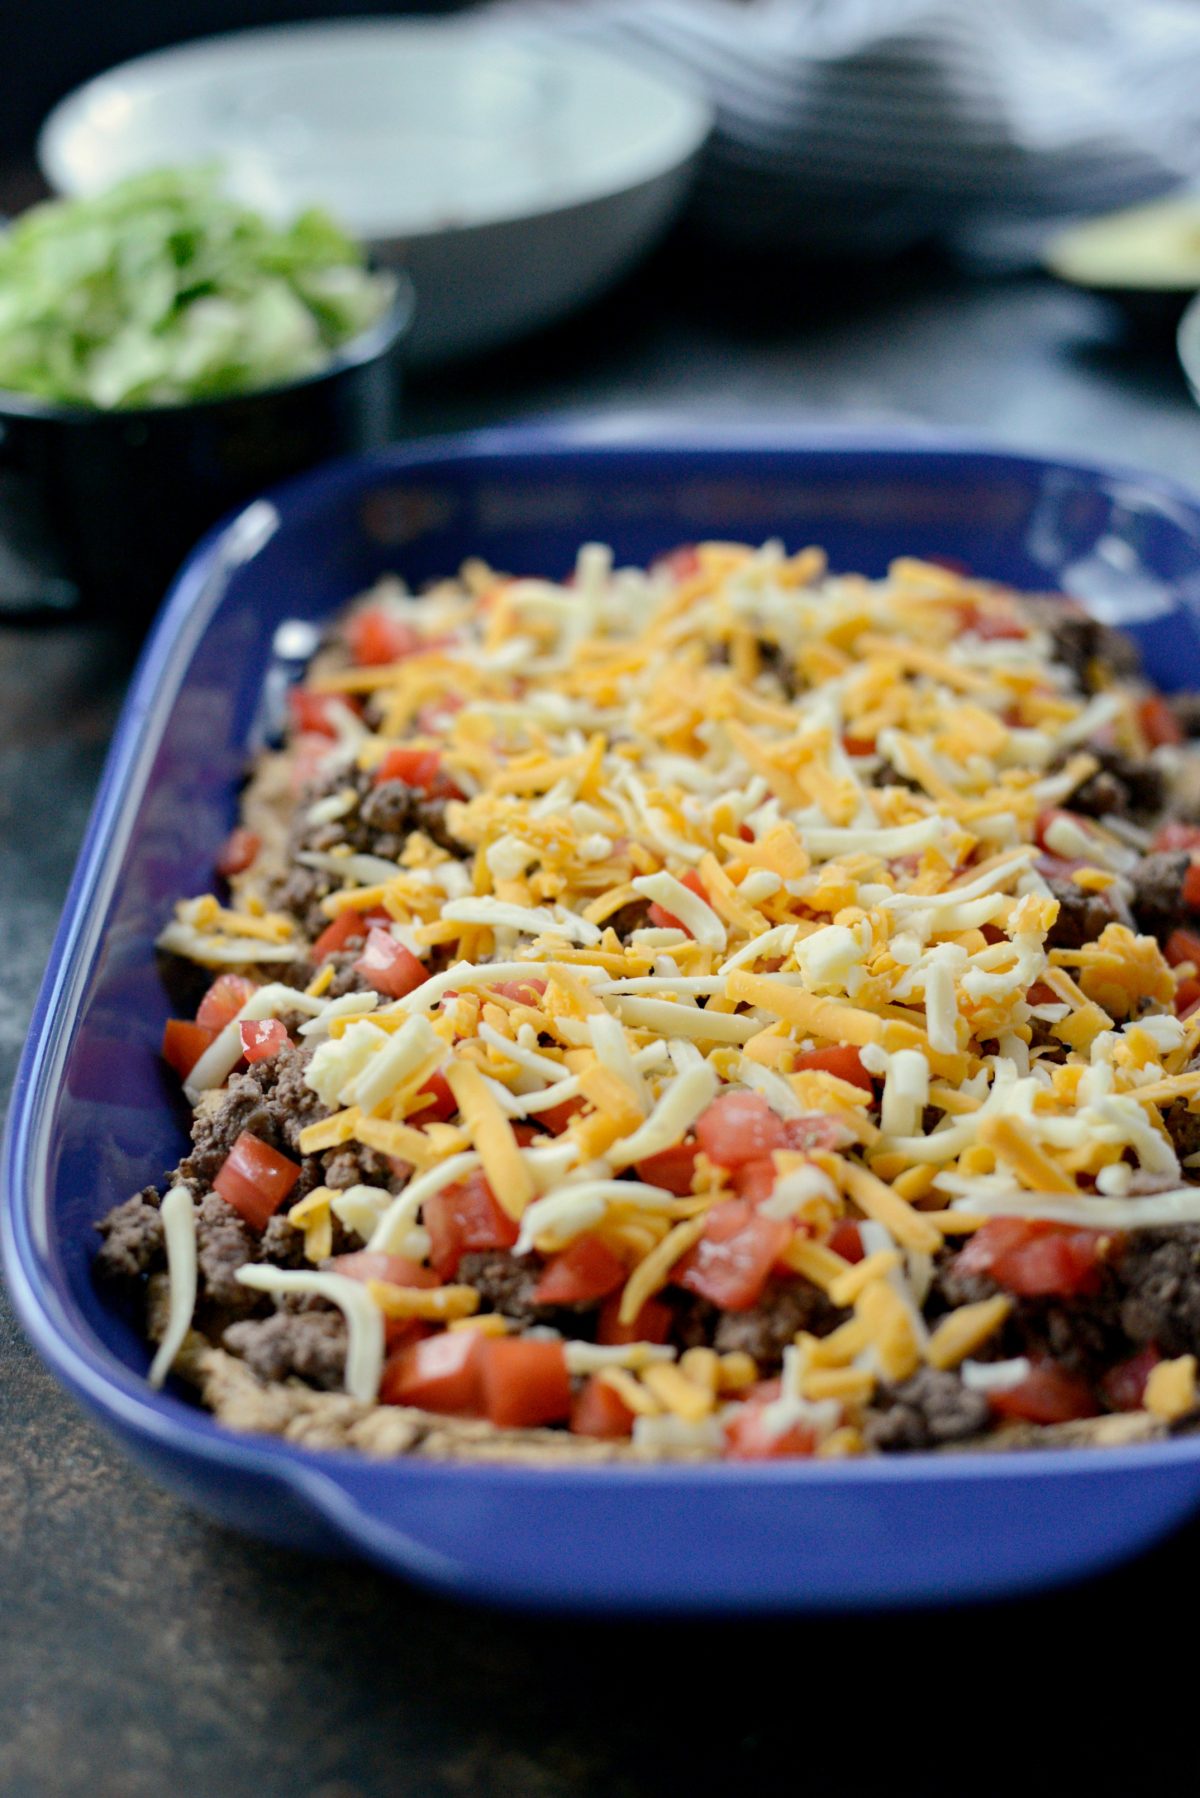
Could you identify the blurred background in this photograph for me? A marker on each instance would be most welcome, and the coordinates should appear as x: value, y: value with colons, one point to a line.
x: 73, y: 43
x: 857, y: 210
x: 597, y: 202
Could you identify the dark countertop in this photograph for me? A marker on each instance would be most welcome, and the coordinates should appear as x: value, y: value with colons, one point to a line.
x: 146, y: 1652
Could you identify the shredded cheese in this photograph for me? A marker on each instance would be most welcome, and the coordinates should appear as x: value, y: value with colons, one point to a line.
x: 178, y: 1213
x: 850, y: 868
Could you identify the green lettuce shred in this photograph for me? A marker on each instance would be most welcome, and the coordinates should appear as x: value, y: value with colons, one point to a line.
x: 164, y: 289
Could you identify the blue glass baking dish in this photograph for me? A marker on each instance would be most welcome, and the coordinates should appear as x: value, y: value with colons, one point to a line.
x: 93, y: 1118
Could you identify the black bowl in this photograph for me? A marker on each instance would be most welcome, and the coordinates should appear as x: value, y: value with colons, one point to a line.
x: 103, y: 506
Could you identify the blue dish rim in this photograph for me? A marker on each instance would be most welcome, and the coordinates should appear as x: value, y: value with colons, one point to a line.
x: 167, y: 1421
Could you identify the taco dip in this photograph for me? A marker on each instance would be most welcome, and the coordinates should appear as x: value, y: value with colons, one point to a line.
x: 728, y: 1009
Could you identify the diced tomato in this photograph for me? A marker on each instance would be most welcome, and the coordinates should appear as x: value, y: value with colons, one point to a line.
x: 525, y: 1382
x: 442, y: 1103
x: 316, y: 713
x: 255, y: 1179
x: 1053, y: 867
x: 1182, y: 945
x: 1041, y: 994
x: 390, y: 967
x: 308, y: 753
x: 1191, y: 887
x: 183, y: 1044
x: 680, y: 563
x: 373, y: 1264
x: 739, y: 1126
x: 843, y: 1063
x: 417, y: 768
x: 1048, y: 1394
x: 599, y: 1411
x: 585, y: 1271
x: 845, y: 1240
x: 1174, y: 836
x: 1158, y: 722
x: 732, y: 1260
x: 397, y: 1331
x: 420, y: 769
x: 754, y: 1181
x: 1034, y: 1258
x: 433, y: 717
x: 555, y: 1118
x: 1124, y: 1386
x: 440, y: 1373
x: 522, y: 992
x: 237, y: 851
x: 815, y: 1130
x: 376, y: 636
x: 652, y: 1323
x: 348, y: 927
x: 748, y: 1437
x: 1063, y: 1264
x: 859, y: 745
x: 223, y: 1000
x: 262, y: 1038
x: 666, y: 920
x: 671, y: 1168
x: 1187, y: 997
x: 1049, y: 817
x: 991, y: 627
x: 464, y: 1219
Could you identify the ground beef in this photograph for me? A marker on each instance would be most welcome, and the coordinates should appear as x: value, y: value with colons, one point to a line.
x: 133, y: 1239
x: 216, y: 1128
x: 293, y: 1104
x: 1150, y: 1292
x: 393, y: 810
x: 1083, y: 916
x: 1158, y: 893
x: 1160, y: 1274
x: 886, y: 774
x: 355, y: 1165
x: 766, y: 1330
x: 628, y: 918
x: 282, y: 1244
x: 776, y: 661
x: 1183, y: 1127
x: 346, y: 978
x: 380, y: 823
x: 1123, y: 786
x: 1084, y: 1334
x: 301, y: 894
x: 1186, y: 707
x: 929, y: 1409
x: 505, y: 1283
x: 763, y: 1332
x: 223, y: 1244
x: 272, y: 1102
x: 307, y: 1344
x: 1081, y: 642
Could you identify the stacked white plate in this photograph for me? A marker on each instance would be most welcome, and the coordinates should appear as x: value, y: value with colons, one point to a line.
x: 514, y: 177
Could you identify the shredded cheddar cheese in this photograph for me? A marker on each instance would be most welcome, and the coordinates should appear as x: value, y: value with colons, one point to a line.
x: 722, y: 927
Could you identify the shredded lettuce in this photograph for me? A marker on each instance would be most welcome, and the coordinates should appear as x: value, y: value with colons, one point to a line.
x: 163, y: 289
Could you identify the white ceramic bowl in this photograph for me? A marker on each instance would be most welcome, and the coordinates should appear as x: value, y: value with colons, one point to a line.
x: 1187, y: 342
x: 514, y: 177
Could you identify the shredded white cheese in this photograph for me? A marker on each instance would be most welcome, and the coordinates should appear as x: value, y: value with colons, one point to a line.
x: 178, y: 1213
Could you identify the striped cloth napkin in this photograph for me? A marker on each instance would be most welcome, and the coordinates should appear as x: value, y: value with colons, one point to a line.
x: 863, y: 125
